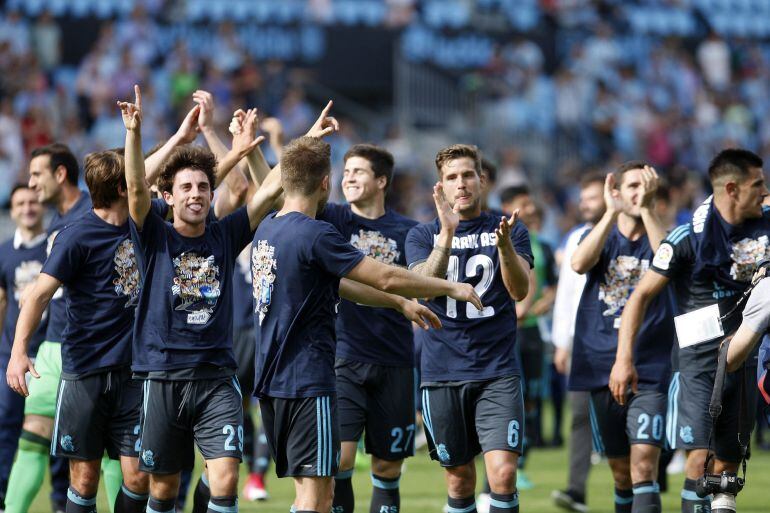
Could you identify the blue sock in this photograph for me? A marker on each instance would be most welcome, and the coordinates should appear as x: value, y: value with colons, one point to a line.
x: 504, y: 502
x: 691, y: 503
x: 223, y: 504
x: 76, y: 503
x: 646, y: 498
x: 464, y: 505
x: 623, y: 500
x: 386, y: 497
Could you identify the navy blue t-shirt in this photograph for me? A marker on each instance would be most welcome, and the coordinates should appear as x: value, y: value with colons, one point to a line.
x: 184, y: 319
x: 364, y: 334
x: 243, y: 304
x: 19, y: 267
x: 609, y: 284
x: 57, y: 310
x: 96, y: 263
x: 296, y: 266
x: 472, y: 345
x: 710, y: 261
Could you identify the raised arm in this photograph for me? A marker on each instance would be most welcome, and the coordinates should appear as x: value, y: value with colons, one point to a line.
x: 366, y: 295
x: 656, y: 231
x: 396, y: 280
x: 514, y: 269
x: 623, y: 372
x: 588, y: 252
x: 138, y: 190
x: 436, y: 264
x: 35, y: 302
x: 186, y: 134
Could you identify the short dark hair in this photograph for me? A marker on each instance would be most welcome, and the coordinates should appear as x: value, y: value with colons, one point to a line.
x: 591, y: 178
x: 488, y: 167
x: 187, y: 157
x: 627, y: 166
x: 16, y: 188
x: 458, y: 151
x: 105, y: 174
x: 514, y: 191
x: 304, y: 163
x: 380, y: 159
x: 60, y: 155
x: 733, y: 162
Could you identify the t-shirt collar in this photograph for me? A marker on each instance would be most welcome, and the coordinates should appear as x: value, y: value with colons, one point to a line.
x: 18, y: 242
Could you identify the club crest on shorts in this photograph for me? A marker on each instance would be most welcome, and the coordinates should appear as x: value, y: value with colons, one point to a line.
x: 745, y: 254
x: 376, y: 245
x: 685, y: 433
x: 623, y: 273
x: 263, y: 264
x: 197, y: 286
x: 148, y: 457
x: 443, y: 454
x: 67, y: 444
x: 127, y: 282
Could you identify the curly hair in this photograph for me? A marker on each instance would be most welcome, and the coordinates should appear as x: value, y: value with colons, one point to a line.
x: 187, y: 157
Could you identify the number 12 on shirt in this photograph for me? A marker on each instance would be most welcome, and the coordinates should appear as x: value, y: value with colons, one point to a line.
x: 471, y: 270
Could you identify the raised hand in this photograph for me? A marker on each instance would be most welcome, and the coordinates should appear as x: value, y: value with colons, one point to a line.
x: 132, y: 112
x: 448, y: 217
x: 189, y: 129
x: 243, y: 138
x: 503, y: 231
x: 611, y: 195
x: 325, y: 124
x: 205, y: 101
x: 649, y: 186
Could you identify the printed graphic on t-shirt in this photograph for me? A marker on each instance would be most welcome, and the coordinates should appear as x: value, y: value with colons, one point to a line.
x: 376, y: 245
x: 24, y: 275
x: 197, y: 286
x: 262, y: 265
x: 623, y: 273
x: 127, y: 282
x: 745, y: 254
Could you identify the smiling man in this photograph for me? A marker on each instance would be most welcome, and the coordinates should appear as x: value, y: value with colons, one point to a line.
x: 471, y: 385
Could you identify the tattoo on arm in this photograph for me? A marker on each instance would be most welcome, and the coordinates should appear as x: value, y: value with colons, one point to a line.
x: 436, y: 264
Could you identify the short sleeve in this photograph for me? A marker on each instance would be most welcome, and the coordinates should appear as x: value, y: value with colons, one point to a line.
x: 418, y: 245
x: 65, y: 259
x: 674, y: 253
x: 237, y: 229
x: 521, y: 243
x: 160, y: 207
x: 756, y: 314
x: 333, y: 253
x: 151, y: 232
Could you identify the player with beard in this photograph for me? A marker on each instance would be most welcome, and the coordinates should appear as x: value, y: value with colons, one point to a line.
x: 183, y: 332
x: 53, y: 175
x: 21, y: 259
x: 710, y: 261
x: 374, y: 365
x: 613, y: 256
x: 298, y: 263
x: 569, y: 288
x: 471, y: 386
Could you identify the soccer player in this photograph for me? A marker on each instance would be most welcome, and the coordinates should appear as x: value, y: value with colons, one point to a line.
x: 53, y: 175
x: 614, y: 255
x: 710, y: 261
x: 98, y: 401
x: 569, y: 288
x: 21, y: 259
x: 297, y: 263
x: 183, y: 331
x: 375, y: 346
x: 471, y: 386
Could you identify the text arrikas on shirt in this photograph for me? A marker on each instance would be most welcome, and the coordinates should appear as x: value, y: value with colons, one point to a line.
x: 471, y: 241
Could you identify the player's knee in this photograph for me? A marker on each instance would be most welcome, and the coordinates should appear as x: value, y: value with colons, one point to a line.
x: 644, y: 470
x: 385, y: 468
x: 224, y: 480
x: 84, y: 478
x: 136, y: 481
x: 693, y: 467
x: 502, y: 478
x: 38, y: 425
x: 461, y: 481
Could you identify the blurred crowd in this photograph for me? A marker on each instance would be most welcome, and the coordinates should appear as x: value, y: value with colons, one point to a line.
x: 585, y: 83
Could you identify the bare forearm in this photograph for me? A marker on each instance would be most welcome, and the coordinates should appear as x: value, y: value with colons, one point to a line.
x: 656, y: 232
x: 742, y: 343
x: 399, y: 281
x: 438, y: 260
x: 589, y: 250
x: 514, y: 271
x: 136, y: 184
x: 630, y: 323
x: 258, y: 166
x: 366, y: 295
x: 153, y: 163
x: 226, y: 159
x: 29, y: 320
